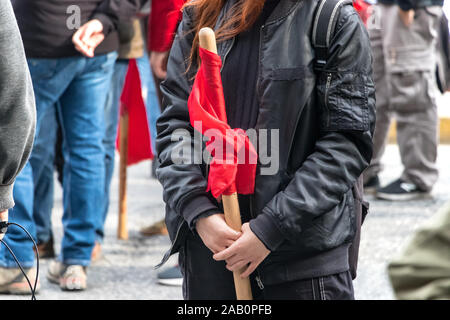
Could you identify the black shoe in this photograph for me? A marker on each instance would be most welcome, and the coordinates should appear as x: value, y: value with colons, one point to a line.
x: 400, y: 190
x: 371, y: 186
x: 171, y: 277
x: 46, y: 249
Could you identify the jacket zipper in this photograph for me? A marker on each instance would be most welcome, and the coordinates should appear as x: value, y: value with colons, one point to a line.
x: 327, y: 88
x: 169, y: 252
x: 259, y: 282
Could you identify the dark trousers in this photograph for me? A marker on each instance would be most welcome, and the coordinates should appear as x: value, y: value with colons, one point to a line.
x: 207, y: 279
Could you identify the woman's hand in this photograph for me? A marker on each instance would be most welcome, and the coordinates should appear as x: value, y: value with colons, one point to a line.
x: 248, y: 249
x: 89, y: 37
x: 215, y: 232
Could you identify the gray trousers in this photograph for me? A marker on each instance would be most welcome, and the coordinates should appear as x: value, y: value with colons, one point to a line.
x: 404, y: 74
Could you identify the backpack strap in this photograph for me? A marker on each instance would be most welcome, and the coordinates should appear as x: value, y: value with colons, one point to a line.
x: 324, y: 25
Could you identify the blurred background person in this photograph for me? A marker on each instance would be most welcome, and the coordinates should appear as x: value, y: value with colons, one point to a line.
x: 403, y: 37
x: 71, y: 71
x: 132, y: 46
x: 17, y: 123
x: 422, y: 271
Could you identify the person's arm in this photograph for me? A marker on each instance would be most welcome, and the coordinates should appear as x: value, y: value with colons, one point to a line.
x: 183, y: 181
x: 346, y: 98
x: 111, y: 12
x: 105, y: 19
x: 164, y: 18
x: 17, y: 107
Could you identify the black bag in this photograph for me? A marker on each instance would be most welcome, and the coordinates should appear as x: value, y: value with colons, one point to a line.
x: 324, y: 24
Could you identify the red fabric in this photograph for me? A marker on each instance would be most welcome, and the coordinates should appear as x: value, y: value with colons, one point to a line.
x: 228, y: 172
x: 131, y: 101
x: 364, y: 9
x: 164, y: 18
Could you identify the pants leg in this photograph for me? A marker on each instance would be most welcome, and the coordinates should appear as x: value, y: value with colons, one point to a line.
x: 417, y: 135
x: 150, y: 96
x: 411, y: 60
x: 383, y: 114
x: 333, y: 287
x: 22, y: 213
x: 82, y: 117
x: 109, y: 140
x: 42, y: 162
x: 203, y: 277
x: 48, y: 85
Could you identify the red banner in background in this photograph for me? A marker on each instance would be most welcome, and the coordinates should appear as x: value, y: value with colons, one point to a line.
x: 131, y: 102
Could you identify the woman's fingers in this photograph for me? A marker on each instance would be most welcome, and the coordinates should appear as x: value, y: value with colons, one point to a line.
x: 237, y: 266
x: 250, y: 269
x: 225, y: 254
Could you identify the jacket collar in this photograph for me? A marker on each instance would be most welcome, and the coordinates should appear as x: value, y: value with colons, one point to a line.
x: 282, y: 10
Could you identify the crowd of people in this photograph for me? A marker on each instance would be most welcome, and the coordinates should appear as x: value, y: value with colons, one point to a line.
x: 331, y: 103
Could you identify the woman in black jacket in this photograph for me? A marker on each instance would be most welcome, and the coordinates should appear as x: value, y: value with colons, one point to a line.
x: 301, y: 219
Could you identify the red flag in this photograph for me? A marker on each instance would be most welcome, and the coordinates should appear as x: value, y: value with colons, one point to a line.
x: 233, y: 168
x: 131, y: 101
x: 364, y: 9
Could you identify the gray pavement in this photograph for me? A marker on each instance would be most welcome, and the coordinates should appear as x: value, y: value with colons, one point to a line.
x: 126, y: 268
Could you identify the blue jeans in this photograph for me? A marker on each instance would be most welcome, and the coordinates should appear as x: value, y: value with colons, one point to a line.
x: 80, y: 86
x: 149, y: 95
x: 112, y: 118
x: 42, y: 161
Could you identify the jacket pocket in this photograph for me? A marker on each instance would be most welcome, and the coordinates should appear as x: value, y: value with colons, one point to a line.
x: 343, y: 99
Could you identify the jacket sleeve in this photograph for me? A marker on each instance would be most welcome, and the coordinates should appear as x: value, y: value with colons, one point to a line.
x: 164, y: 18
x: 183, y: 181
x: 346, y: 98
x: 111, y: 12
x: 17, y: 107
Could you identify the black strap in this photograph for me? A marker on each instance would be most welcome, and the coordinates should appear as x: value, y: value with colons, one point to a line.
x: 324, y: 24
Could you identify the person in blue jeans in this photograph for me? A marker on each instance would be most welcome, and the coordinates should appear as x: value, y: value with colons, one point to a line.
x: 71, y: 72
x: 135, y: 50
x: 45, y: 152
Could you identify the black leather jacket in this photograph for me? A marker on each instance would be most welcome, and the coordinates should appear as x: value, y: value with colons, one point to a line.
x: 325, y: 121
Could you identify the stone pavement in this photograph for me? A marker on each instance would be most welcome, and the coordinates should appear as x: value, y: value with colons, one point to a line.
x: 126, y: 269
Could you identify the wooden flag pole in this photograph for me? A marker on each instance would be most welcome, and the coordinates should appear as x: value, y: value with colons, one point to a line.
x: 122, y: 232
x: 232, y: 212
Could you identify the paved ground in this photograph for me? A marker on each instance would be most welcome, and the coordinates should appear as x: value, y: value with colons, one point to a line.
x: 126, y: 270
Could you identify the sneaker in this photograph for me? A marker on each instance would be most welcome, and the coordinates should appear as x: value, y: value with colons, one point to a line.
x: 12, y: 281
x: 371, y: 186
x: 68, y: 277
x: 171, y: 277
x: 156, y: 229
x: 45, y: 249
x: 400, y: 190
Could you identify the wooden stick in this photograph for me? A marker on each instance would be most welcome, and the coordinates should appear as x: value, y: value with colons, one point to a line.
x: 231, y: 209
x: 233, y: 219
x: 122, y: 232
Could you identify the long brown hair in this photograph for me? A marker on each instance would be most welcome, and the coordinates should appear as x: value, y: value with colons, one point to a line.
x: 239, y: 19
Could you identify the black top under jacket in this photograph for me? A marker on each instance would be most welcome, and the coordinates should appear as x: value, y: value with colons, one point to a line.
x: 47, y: 26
